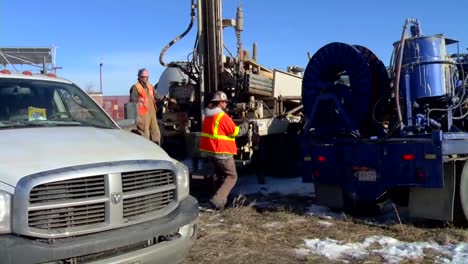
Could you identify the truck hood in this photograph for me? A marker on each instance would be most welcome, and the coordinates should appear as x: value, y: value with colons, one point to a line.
x: 31, y: 150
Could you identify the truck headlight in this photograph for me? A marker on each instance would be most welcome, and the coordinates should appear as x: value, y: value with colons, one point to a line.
x: 182, y: 173
x: 5, y: 209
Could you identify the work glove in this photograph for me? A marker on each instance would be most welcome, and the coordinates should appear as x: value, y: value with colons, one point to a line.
x: 255, y: 134
x: 254, y: 128
x: 244, y: 128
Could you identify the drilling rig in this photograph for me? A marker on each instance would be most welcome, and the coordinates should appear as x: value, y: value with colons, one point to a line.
x: 270, y: 99
x: 374, y: 133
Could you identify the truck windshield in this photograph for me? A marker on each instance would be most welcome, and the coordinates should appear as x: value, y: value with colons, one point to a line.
x: 26, y: 102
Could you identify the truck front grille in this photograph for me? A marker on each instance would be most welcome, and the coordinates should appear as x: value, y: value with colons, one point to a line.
x: 99, y: 202
x: 67, y: 217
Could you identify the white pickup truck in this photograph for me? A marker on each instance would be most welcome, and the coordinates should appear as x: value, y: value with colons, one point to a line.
x: 76, y: 188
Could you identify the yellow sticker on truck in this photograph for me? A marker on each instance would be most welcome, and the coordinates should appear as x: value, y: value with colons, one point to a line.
x: 35, y: 113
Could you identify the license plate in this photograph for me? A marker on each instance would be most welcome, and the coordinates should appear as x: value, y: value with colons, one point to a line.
x: 366, y: 175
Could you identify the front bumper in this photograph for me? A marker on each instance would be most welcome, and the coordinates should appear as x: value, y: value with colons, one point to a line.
x: 97, y: 247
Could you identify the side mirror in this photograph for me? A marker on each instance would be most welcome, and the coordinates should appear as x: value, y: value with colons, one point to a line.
x: 131, y: 111
x: 131, y: 117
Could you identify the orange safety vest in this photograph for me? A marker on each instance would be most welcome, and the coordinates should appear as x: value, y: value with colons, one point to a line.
x: 218, y: 134
x: 142, y: 98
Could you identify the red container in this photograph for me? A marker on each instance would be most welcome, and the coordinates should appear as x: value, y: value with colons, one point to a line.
x: 114, y: 105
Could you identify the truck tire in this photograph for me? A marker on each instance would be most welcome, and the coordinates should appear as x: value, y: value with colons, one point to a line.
x: 461, y: 195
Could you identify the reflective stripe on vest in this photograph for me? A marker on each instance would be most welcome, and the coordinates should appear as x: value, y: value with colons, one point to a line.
x: 216, y: 128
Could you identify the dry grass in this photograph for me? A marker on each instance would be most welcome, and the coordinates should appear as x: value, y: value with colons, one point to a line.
x: 248, y: 232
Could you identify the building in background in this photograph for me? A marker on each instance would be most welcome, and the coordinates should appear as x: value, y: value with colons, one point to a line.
x: 114, y: 105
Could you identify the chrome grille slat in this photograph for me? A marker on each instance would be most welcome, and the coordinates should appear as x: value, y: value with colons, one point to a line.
x: 66, y: 188
x: 40, y: 212
x: 67, y: 225
x: 149, y: 191
x: 130, y: 203
x: 147, y: 179
x: 86, y: 187
x: 67, y: 195
x: 76, y: 214
x: 65, y: 219
x: 68, y: 217
x: 147, y: 204
x: 49, y: 186
x: 71, y: 203
x: 134, y: 181
x: 142, y: 186
x: 140, y: 173
x: 76, y: 180
x: 131, y: 177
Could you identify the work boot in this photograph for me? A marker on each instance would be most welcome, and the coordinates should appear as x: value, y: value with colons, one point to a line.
x: 217, y: 203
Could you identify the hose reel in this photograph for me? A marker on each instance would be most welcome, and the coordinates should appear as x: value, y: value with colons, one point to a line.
x: 341, y: 85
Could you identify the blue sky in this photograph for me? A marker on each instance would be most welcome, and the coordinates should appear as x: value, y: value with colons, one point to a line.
x: 129, y: 35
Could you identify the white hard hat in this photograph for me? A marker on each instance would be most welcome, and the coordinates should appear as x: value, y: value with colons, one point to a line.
x: 219, y: 97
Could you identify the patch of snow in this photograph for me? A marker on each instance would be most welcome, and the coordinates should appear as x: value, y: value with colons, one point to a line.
x: 303, y: 252
x: 392, y: 250
x: 459, y: 253
x: 324, y: 212
x: 248, y: 184
x: 333, y: 249
x: 213, y: 224
x: 325, y: 223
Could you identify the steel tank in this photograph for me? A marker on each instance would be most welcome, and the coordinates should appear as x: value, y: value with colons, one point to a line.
x: 170, y: 76
x: 427, y: 70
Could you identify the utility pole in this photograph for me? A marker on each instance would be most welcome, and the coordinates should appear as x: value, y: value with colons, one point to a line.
x: 100, y: 76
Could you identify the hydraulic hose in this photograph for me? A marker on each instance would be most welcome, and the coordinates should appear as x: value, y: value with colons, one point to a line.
x: 396, y: 84
x: 399, y: 57
x: 192, y: 19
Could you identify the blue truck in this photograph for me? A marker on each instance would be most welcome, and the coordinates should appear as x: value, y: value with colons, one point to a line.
x: 400, y: 132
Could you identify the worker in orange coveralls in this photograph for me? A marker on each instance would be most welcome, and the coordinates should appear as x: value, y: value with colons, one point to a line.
x: 142, y: 93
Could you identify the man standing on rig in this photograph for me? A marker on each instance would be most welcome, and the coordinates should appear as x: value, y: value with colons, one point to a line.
x: 142, y: 93
x: 218, y: 144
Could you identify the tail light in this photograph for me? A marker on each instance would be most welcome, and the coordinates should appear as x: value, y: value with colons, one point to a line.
x: 321, y: 159
x: 407, y: 157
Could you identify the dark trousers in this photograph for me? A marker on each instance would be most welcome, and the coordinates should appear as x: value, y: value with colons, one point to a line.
x: 225, y: 171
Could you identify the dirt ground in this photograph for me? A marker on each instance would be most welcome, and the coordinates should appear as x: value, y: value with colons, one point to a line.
x: 269, y: 229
